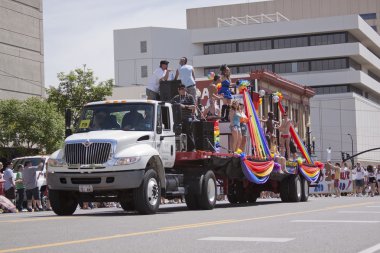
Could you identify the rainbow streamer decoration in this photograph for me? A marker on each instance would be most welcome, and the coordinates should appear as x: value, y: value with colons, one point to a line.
x: 310, y: 173
x: 297, y: 139
x: 259, y: 143
x: 257, y: 172
x: 312, y: 169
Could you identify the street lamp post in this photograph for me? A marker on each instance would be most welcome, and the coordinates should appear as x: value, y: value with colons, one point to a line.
x: 352, y: 148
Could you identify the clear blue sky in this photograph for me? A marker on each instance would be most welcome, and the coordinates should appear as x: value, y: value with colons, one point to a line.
x: 78, y: 32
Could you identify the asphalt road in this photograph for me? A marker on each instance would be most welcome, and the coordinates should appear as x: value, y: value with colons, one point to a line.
x: 346, y: 224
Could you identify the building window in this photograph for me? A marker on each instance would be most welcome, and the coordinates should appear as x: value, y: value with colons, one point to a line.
x: 144, y: 71
x: 143, y: 46
x: 330, y: 64
x: 374, y: 27
x: 283, y: 67
x: 327, y: 39
x: 290, y: 42
x: 303, y: 66
x: 334, y: 89
x: 367, y: 16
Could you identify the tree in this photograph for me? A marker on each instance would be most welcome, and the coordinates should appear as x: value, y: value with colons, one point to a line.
x: 76, y: 89
x: 33, y: 123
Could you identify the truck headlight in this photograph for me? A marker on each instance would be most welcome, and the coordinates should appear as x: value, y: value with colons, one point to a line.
x: 56, y: 162
x: 127, y: 160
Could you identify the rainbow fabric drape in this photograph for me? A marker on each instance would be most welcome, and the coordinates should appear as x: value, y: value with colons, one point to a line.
x: 257, y: 172
x: 259, y: 143
x: 297, y: 139
x: 254, y: 171
x: 312, y: 169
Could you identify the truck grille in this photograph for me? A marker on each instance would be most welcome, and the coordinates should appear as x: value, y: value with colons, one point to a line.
x: 87, y: 153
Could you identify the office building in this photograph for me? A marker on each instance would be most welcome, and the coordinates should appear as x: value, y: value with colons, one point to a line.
x: 332, y: 46
x: 21, y: 49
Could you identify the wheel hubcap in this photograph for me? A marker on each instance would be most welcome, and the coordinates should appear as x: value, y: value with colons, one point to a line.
x: 298, y: 188
x: 211, y: 193
x: 306, y: 187
x: 152, y: 191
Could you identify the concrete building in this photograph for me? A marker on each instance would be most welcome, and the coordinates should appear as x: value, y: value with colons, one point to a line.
x: 336, y: 53
x: 292, y: 9
x: 21, y: 49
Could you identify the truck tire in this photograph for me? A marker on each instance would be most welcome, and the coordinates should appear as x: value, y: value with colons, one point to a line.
x: 127, y: 205
x: 236, y: 193
x: 252, y: 195
x: 192, y: 201
x: 63, y: 202
x: 284, y: 190
x: 305, y: 190
x: 207, y: 199
x: 147, y: 197
x: 232, y: 198
x: 295, y: 188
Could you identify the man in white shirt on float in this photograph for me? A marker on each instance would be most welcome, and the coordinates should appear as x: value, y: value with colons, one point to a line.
x: 186, y: 74
x: 160, y: 74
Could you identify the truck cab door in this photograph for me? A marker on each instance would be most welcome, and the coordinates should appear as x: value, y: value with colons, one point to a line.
x: 165, y: 141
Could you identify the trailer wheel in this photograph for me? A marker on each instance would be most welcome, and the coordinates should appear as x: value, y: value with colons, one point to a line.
x: 147, y: 197
x: 252, y: 195
x: 236, y: 193
x: 63, y: 202
x: 305, y: 190
x: 295, y: 188
x: 284, y: 190
x: 207, y: 199
x: 192, y: 201
x: 127, y: 205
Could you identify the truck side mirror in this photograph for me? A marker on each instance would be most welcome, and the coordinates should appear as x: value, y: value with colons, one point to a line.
x: 68, y: 115
x: 68, y: 118
x: 159, y: 129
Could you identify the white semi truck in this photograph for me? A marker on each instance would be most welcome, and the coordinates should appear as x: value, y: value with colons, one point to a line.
x: 132, y: 152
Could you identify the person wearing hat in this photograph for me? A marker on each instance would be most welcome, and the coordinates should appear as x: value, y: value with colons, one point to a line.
x: 160, y: 74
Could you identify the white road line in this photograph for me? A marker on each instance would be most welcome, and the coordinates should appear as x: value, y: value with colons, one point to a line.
x: 336, y: 221
x: 374, y: 206
x: 358, y: 212
x: 372, y: 249
x: 247, y: 239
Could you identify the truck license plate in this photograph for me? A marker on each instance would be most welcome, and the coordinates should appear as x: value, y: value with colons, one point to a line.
x: 85, y: 188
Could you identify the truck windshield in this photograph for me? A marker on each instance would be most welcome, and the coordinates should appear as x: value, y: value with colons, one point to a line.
x: 127, y: 117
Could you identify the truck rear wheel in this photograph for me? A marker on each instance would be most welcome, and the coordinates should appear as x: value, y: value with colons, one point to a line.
x: 236, y: 193
x: 63, y: 202
x: 295, y: 188
x: 207, y: 199
x: 127, y: 205
x: 284, y: 190
x: 192, y: 201
x: 147, y: 197
x: 304, y: 190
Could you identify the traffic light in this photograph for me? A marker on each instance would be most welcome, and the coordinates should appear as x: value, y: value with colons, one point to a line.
x: 345, y: 156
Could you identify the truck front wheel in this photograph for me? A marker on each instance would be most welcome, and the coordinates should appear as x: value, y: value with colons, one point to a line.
x: 62, y: 202
x: 147, y: 196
